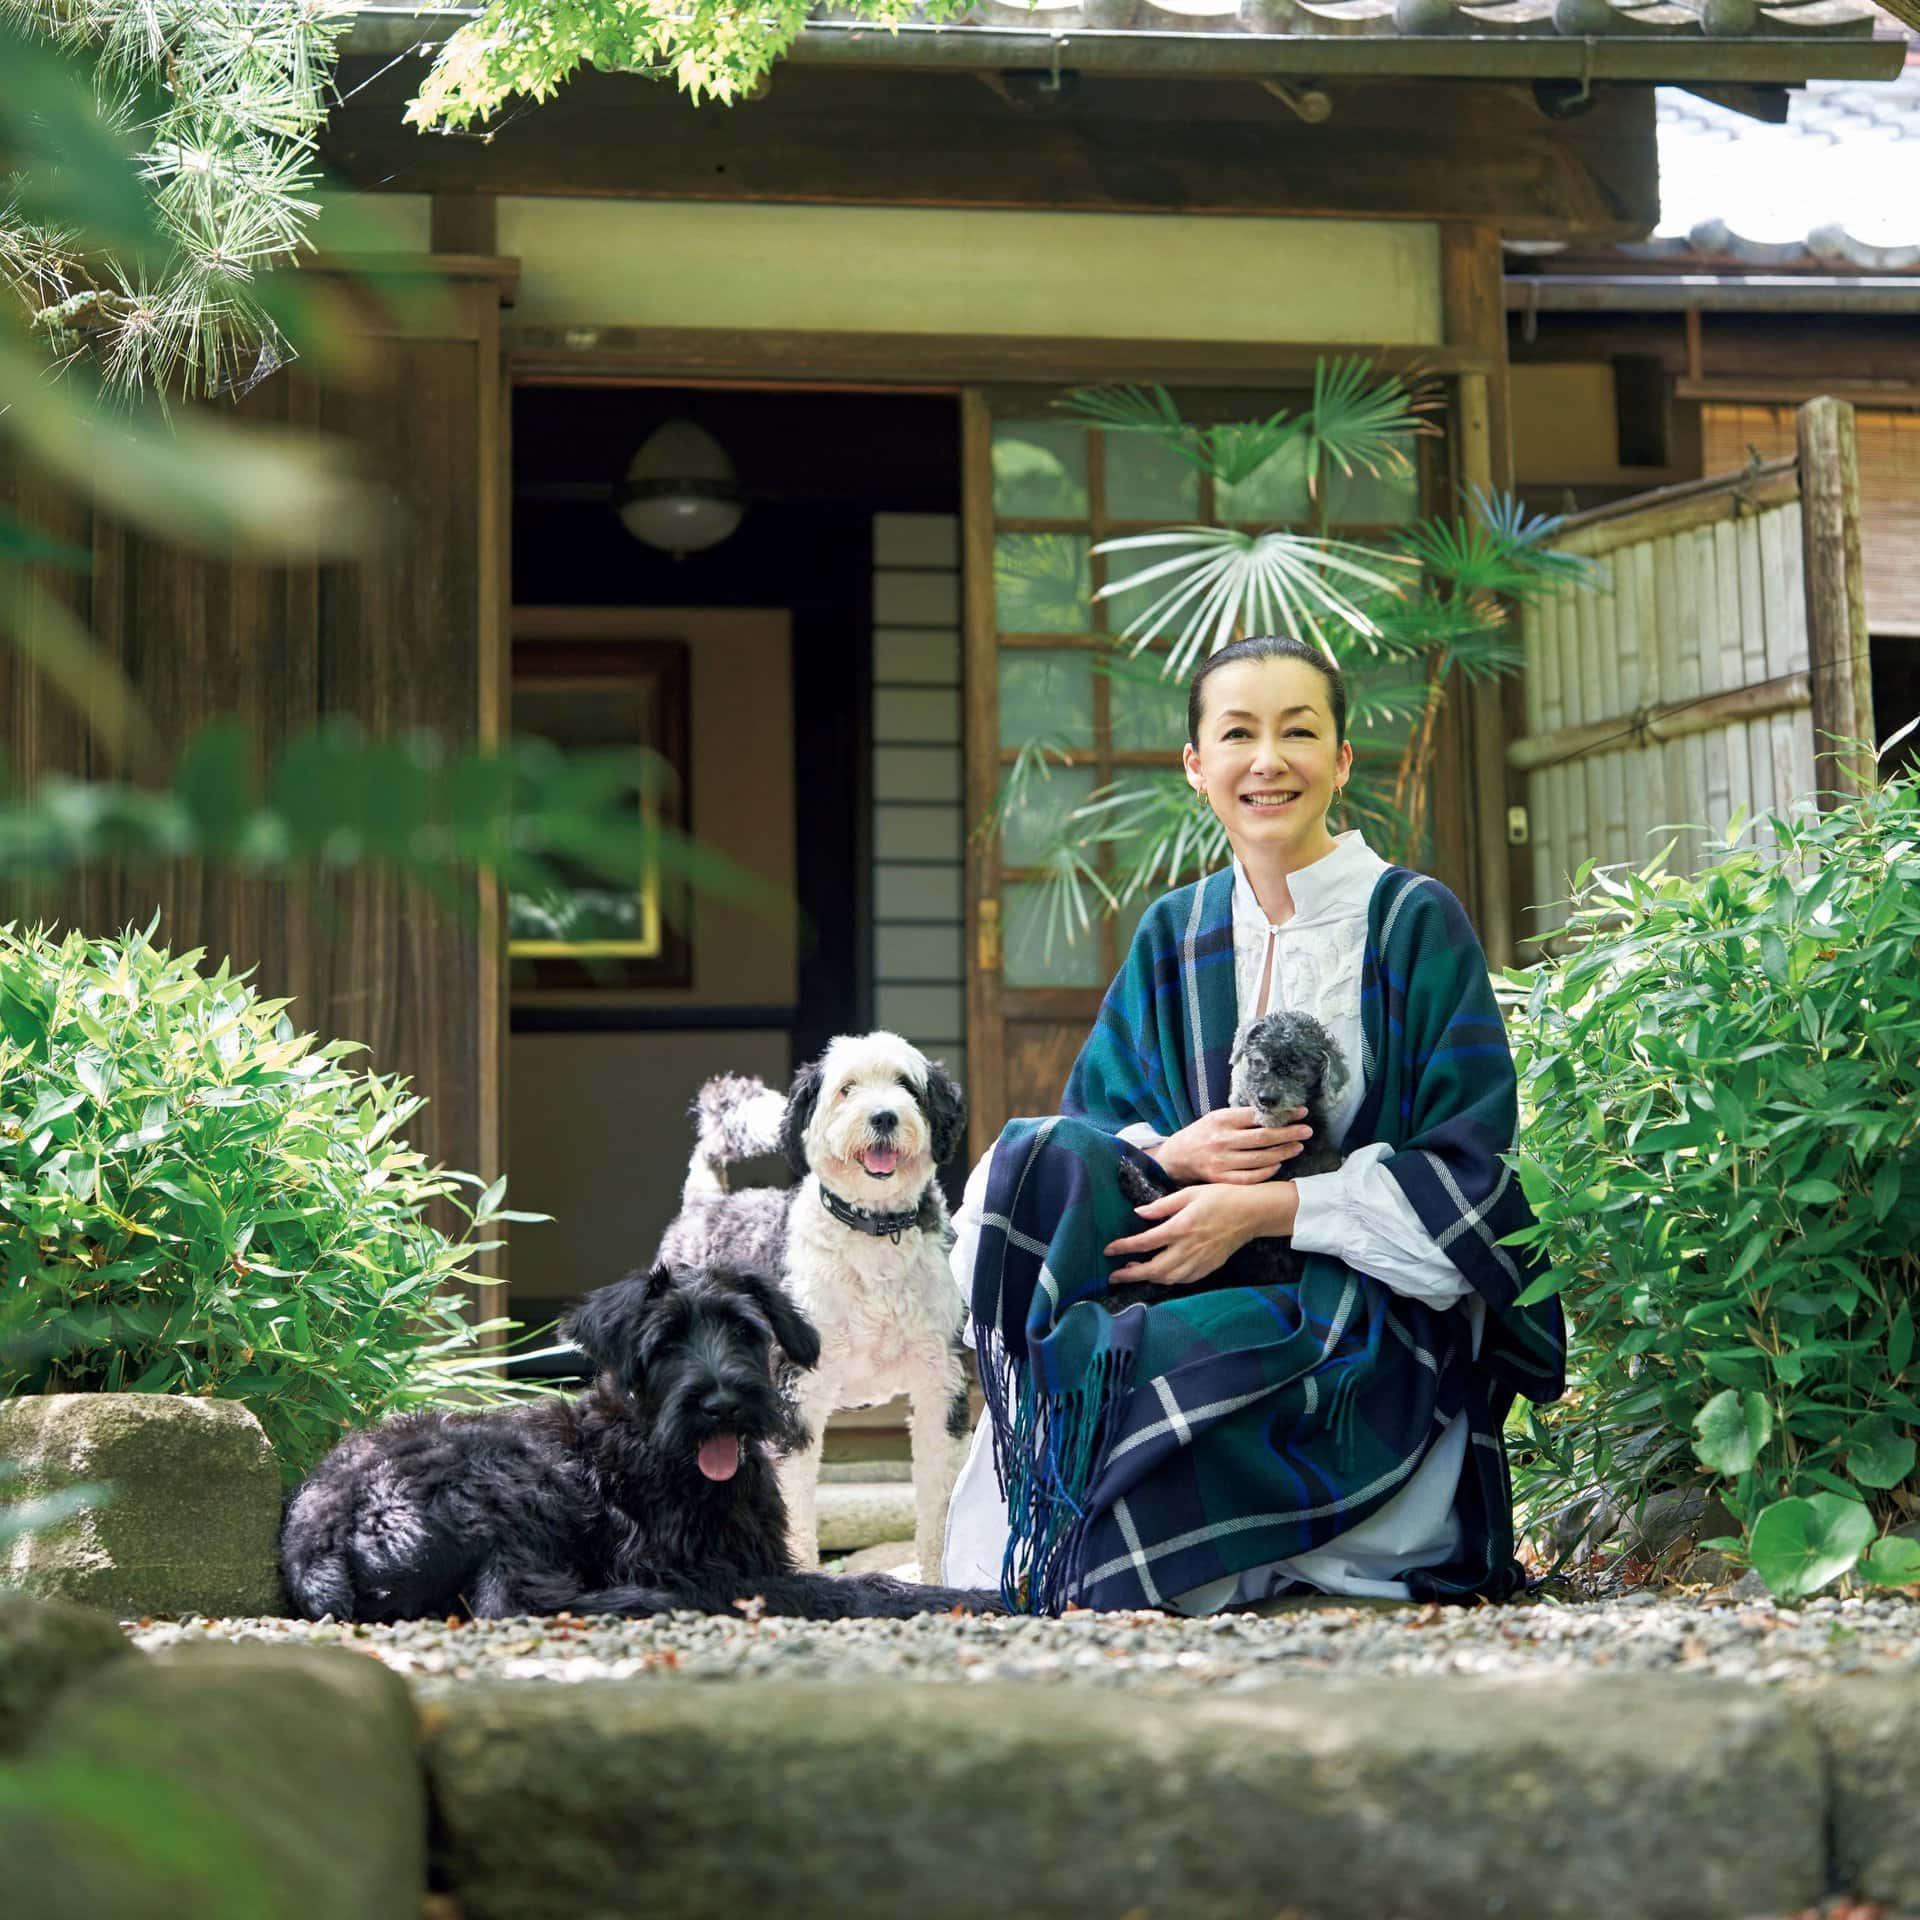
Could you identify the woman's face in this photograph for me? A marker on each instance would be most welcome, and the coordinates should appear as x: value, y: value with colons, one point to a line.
x: 1266, y: 759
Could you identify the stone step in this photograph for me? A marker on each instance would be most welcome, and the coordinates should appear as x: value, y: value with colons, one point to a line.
x: 866, y: 1470
x: 862, y: 1513
x: 890, y: 1556
x: 1583, y: 1797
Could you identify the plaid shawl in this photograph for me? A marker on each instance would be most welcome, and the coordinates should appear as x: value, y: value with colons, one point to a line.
x: 1147, y: 1452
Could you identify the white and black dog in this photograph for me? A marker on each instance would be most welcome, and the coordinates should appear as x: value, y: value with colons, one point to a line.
x: 861, y: 1246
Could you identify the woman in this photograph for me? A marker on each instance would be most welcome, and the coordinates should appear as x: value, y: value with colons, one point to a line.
x: 1342, y: 1432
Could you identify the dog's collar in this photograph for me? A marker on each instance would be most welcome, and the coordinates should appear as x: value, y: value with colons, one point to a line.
x: 925, y: 1217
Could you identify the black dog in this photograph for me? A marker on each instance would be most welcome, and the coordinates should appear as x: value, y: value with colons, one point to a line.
x: 650, y: 1492
x: 1283, y: 1060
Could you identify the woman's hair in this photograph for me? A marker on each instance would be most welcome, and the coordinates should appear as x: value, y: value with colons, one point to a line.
x: 1268, y: 646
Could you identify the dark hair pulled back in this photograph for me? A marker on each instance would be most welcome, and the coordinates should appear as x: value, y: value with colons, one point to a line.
x: 1268, y: 646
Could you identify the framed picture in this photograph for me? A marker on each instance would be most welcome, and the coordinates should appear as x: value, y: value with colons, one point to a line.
x: 598, y: 694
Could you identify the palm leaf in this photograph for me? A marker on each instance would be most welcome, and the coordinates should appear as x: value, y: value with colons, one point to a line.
x: 1380, y: 707
x: 1230, y: 453
x: 1014, y: 794
x: 1474, y: 635
x: 1157, y: 830
x: 1221, y: 581
x: 1063, y: 903
x: 1358, y: 419
x: 1497, y: 549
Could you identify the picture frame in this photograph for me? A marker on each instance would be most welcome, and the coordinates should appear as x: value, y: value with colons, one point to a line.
x: 598, y: 693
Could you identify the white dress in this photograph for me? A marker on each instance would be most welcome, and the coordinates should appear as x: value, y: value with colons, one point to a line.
x: 1357, y: 1212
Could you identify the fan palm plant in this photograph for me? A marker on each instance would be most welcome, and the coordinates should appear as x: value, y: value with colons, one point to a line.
x: 1407, y: 616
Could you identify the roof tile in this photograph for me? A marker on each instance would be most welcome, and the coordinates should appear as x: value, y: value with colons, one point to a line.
x: 1833, y: 188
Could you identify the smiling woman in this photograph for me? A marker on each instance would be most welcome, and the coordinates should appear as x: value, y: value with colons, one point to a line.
x: 1340, y: 1431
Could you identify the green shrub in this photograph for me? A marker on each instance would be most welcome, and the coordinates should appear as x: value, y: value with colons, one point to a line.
x: 1719, y: 1090
x: 194, y: 1198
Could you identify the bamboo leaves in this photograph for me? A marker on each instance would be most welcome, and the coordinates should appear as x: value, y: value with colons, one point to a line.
x: 196, y: 1198
x: 1718, y: 1088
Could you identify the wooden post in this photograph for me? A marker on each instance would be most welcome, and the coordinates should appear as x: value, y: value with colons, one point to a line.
x: 986, y: 1021
x: 462, y: 223
x: 1475, y: 315
x: 1838, y: 647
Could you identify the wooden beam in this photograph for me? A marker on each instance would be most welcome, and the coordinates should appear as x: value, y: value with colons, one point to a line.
x: 1762, y: 102
x: 613, y: 356
x: 1760, y: 701
x: 1837, y: 641
x: 1790, y: 390
x: 1389, y: 150
x: 1680, y: 508
x: 1080, y: 51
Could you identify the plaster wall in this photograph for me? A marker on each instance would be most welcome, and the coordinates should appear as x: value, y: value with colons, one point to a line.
x: 372, y: 222
x: 598, y: 262
x: 598, y: 1136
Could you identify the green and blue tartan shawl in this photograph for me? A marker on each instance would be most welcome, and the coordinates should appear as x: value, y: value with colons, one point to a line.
x: 1151, y: 1451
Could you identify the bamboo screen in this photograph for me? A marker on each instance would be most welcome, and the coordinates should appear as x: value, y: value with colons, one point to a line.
x: 1702, y: 602
x: 1889, y: 449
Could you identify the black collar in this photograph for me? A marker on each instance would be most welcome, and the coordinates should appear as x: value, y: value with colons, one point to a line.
x: 925, y: 1217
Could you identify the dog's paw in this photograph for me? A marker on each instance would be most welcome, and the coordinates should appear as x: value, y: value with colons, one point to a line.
x: 1138, y: 1185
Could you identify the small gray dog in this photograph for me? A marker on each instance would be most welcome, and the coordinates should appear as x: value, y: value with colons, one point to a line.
x: 1283, y: 1060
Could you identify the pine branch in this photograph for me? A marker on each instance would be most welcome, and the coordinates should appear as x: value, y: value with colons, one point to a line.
x: 221, y: 101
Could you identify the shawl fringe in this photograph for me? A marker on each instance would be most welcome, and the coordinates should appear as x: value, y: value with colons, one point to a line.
x: 1049, y: 1448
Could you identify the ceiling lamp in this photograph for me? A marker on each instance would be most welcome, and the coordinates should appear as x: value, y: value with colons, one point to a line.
x: 680, y: 494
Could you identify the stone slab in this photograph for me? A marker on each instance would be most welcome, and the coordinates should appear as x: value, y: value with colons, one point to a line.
x: 1342, y: 1799
x: 219, y: 1781
x: 862, y: 1513
x: 193, y: 1518
x: 890, y: 1556
x: 1870, y: 1726
x: 46, y: 1645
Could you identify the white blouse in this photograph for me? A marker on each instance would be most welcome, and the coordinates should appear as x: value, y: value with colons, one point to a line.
x: 1357, y: 1212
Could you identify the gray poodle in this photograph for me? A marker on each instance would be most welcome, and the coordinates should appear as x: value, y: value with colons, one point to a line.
x: 1282, y: 1061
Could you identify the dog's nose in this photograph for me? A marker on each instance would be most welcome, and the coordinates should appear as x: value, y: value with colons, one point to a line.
x: 883, y: 1122
x: 716, y: 1402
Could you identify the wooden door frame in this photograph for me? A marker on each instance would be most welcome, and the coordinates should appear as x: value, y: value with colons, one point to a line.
x: 1471, y: 852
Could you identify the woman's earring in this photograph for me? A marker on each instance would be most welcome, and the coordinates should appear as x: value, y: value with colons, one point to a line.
x: 1335, y: 801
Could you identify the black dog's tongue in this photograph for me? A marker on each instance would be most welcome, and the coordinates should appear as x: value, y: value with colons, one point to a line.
x: 720, y: 1456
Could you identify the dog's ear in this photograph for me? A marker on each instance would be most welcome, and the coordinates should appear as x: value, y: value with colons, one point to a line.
x: 946, y: 1111
x: 802, y: 1097
x: 606, y: 1325
x: 1334, y: 1072
x: 794, y: 1331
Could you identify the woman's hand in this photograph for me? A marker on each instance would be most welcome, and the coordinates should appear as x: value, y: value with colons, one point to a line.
x: 1229, y: 1144
x: 1197, y: 1230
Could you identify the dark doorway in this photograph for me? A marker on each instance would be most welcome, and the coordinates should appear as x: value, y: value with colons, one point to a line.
x: 612, y: 1073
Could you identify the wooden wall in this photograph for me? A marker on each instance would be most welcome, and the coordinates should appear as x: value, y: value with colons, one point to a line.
x: 406, y: 636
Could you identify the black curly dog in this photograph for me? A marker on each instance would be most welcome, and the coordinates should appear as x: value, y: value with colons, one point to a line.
x: 1283, y: 1060
x: 650, y: 1492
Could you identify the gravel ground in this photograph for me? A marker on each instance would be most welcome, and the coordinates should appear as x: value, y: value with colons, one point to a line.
x: 1728, y: 1637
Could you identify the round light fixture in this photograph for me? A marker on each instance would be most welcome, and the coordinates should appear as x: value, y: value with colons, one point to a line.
x: 680, y: 494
